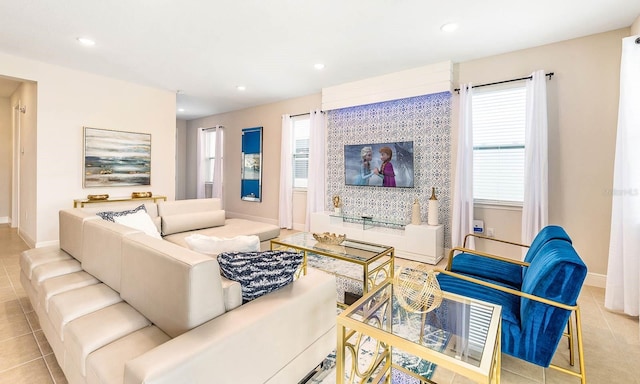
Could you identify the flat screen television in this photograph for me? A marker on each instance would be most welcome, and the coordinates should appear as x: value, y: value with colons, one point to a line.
x: 379, y: 165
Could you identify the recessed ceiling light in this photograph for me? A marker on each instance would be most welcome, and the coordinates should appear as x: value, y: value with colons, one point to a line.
x: 319, y: 66
x: 86, y: 41
x: 241, y: 88
x: 180, y: 109
x: 449, y: 27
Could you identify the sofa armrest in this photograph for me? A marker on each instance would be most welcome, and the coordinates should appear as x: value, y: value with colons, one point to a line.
x: 270, y: 332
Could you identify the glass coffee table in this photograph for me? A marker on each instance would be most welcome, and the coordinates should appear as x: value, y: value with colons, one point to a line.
x: 375, y: 261
x: 376, y: 334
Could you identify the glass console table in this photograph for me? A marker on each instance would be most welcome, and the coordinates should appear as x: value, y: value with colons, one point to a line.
x: 82, y: 202
x: 369, y: 222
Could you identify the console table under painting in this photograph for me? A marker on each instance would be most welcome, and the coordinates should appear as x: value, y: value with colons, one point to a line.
x: 82, y: 202
x: 423, y: 243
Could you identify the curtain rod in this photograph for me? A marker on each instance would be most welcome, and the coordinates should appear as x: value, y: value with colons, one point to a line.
x: 550, y: 74
x: 300, y: 114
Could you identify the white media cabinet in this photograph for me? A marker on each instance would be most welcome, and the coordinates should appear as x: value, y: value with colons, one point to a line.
x: 423, y: 243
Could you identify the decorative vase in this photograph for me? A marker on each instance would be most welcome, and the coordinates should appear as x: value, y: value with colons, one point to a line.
x: 432, y: 215
x: 415, y: 213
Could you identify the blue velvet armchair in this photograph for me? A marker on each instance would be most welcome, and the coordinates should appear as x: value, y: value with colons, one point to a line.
x: 535, y: 312
x: 498, y: 268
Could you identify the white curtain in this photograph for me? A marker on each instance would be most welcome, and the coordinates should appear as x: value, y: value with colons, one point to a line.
x: 535, y: 207
x: 217, y: 165
x: 623, y: 274
x: 462, y: 221
x: 200, y: 166
x: 317, y: 165
x: 285, y: 210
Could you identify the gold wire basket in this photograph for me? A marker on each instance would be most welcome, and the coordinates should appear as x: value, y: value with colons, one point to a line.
x: 417, y: 288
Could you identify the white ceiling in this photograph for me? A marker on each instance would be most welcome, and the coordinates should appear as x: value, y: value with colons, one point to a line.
x: 205, y: 48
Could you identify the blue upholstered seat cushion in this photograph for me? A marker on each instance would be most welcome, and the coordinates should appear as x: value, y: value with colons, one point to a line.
x: 109, y: 215
x: 504, y: 272
x: 510, y: 303
x: 259, y: 272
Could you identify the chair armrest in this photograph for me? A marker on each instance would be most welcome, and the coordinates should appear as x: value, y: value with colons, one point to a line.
x: 507, y: 290
x: 481, y: 254
x: 464, y: 243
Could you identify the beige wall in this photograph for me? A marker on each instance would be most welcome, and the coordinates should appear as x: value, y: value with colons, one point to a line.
x: 26, y: 96
x: 62, y: 102
x: 5, y: 159
x: 582, y: 108
x: 635, y: 27
x: 269, y: 117
x: 181, y: 159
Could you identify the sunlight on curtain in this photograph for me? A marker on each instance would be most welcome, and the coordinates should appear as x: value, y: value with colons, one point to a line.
x: 200, y: 166
x: 317, y: 165
x: 462, y: 220
x: 285, y: 210
x: 217, y: 165
x: 535, y: 207
x: 623, y: 274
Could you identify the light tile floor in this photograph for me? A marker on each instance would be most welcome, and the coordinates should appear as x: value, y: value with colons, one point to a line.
x: 612, y: 341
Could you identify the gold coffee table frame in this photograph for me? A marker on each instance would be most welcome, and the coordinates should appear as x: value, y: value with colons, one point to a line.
x: 352, y: 251
x: 371, y: 316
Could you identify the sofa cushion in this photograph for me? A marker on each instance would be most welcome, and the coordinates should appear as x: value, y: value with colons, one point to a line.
x: 231, y: 228
x: 102, y: 250
x: 70, y: 305
x: 111, y: 215
x: 141, y: 221
x: 189, y: 221
x: 177, y: 289
x: 211, y: 245
x: 259, y: 272
x: 32, y: 258
x: 106, y: 365
x: 97, y: 329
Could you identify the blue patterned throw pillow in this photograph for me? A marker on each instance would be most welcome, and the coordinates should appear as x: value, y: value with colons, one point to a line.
x: 259, y: 272
x: 109, y: 215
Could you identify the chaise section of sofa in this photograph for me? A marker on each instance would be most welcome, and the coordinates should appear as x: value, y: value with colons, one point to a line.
x: 117, y: 306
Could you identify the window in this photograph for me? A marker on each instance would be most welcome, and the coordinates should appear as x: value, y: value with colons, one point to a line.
x: 300, y: 151
x: 498, y: 145
x: 210, y: 154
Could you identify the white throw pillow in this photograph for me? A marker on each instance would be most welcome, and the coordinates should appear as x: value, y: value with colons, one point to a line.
x: 212, y: 245
x: 140, y: 221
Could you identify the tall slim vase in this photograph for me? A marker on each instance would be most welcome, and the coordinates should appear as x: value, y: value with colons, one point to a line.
x: 432, y: 214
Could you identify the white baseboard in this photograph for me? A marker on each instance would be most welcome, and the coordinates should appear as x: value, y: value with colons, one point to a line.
x: 299, y: 226
x: 596, y: 280
x: 5, y: 220
x: 30, y: 242
x: 49, y: 243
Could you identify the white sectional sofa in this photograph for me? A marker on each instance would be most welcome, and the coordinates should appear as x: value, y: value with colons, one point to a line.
x: 119, y: 306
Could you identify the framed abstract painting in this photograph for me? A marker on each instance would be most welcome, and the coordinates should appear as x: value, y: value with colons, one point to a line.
x: 116, y: 158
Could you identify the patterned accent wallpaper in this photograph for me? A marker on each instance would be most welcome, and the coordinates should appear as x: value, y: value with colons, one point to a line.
x: 425, y: 120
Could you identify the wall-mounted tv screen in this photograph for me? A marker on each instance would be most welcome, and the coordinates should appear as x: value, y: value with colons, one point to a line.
x: 380, y: 164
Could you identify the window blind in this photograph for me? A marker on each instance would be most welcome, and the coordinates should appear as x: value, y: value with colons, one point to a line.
x: 301, y: 127
x: 498, y: 118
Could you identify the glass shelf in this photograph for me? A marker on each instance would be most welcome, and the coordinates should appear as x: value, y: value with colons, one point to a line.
x: 369, y: 222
